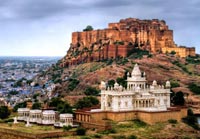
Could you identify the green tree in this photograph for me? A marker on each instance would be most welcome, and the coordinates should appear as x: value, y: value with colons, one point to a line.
x: 64, y: 108
x: 178, y: 98
x: 89, y: 91
x: 122, y: 81
x: 173, y: 52
x: 80, y: 131
x: 36, y: 105
x: 60, y: 105
x: 19, y: 105
x: 4, y: 112
x: 191, y: 120
x: 55, y: 102
x: 88, y: 28
x: 111, y: 83
x: 194, y: 88
x: 86, y: 102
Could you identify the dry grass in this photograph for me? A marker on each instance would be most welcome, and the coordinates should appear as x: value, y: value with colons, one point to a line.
x: 35, y: 129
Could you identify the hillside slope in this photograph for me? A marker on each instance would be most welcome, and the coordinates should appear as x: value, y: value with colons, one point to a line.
x: 160, y: 67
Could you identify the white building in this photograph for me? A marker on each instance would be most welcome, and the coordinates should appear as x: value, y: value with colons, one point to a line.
x: 35, y: 116
x: 23, y: 114
x: 65, y: 120
x: 137, y: 96
x: 48, y: 117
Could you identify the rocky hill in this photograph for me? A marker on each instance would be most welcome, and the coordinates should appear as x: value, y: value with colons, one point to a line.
x: 119, y: 40
x: 161, y: 67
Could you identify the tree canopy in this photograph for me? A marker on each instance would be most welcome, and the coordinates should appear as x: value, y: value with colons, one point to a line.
x: 86, y: 102
x: 4, y: 112
x: 88, y: 28
x: 60, y: 105
x: 91, y: 91
x: 19, y: 105
x: 36, y: 105
x: 178, y: 98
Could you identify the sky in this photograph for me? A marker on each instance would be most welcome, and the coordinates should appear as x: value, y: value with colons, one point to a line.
x: 44, y: 27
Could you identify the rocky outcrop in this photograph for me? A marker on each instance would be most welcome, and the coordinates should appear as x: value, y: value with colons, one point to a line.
x: 120, y: 38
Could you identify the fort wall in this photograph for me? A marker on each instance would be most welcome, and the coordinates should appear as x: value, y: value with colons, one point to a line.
x: 152, y: 35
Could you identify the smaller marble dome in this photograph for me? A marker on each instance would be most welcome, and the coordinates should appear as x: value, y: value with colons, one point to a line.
x: 167, y: 85
x: 154, y: 83
x: 144, y: 74
x: 116, y: 86
x: 128, y: 74
x: 136, y: 71
x: 103, y: 85
x: 120, y: 88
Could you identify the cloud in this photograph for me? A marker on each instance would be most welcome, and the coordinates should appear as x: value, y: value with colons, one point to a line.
x: 25, y: 18
x: 36, y: 9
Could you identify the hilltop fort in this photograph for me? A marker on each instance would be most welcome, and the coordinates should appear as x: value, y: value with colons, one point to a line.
x: 120, y: 38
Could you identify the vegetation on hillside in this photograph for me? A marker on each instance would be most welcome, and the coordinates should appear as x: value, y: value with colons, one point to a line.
x: 191, y: 120
x: 194, y: 88
x: 60, y: 105
x: 4, y: 112
x: 86, y: 102
x: 177, y: 98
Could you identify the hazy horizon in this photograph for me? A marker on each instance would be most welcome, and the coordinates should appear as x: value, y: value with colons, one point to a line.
x: 44, y: 27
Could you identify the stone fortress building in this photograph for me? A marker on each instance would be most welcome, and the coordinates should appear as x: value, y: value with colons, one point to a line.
x: 138, y: 96
x: 149, y: 103
x: 119, y: 39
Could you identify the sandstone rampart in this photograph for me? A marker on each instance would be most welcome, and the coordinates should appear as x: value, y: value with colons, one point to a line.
x: 120, y: 38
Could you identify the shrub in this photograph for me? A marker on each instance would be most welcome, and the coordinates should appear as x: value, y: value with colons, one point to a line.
x: 8, y: 120
x: 72, y: 84
x: 173, y: 52
x: 172, y: 121
x: 86, y: 102
x: 91, y: 91
x: 193, y: 60
x: 97, y: 136
x: 139, y: 123
x: 108, y: 131
x: 119, y: 137
x: 80, y: 131
x: 85, y: 137
x: 67, y: 128
x: 109, y: 62
x: 194, y: 88
x: 191, y: 120
x: 132, y: 137
x: 174, y: 84
x: 138, y: 53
